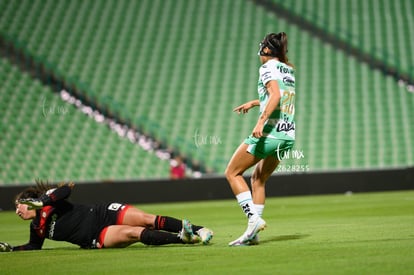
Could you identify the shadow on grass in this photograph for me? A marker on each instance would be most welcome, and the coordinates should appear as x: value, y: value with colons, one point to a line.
x: 284, y: 238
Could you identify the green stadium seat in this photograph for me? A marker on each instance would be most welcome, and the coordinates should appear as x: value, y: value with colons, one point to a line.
x: 174, y: 76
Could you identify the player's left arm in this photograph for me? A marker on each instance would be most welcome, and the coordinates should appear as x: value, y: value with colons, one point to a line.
x: 273, y: 90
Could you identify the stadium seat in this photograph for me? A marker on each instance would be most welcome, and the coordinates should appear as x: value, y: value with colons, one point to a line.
x: 172, y: 75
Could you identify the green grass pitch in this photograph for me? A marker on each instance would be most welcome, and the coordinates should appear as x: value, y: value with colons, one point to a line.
x: 367, y: 233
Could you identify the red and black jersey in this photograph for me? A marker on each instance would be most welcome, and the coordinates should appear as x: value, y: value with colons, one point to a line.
x: 62, y: 220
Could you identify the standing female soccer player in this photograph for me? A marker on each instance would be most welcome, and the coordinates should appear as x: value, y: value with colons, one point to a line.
x: 273, y: 134
x: 96, y: 226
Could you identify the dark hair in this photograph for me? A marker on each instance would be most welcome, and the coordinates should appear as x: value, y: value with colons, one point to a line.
x: 278, y: 45
x: 33, y: 192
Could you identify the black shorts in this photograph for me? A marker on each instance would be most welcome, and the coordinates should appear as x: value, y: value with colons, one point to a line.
x: 107, y: 215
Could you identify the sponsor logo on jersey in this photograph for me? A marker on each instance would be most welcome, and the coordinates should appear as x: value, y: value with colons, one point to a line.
x: 52, y: 226
x: 288, y: 81
x: 266, y: 76
x: 285, y: 126
x: 284, y: 70
x: 115, y: 206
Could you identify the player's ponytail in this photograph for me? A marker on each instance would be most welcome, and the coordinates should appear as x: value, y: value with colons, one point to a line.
x: 40, y: 189
x: 278, y: 44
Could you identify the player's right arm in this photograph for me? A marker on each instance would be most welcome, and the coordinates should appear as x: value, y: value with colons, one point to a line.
x: 244, y: 108
x: 35, y: 243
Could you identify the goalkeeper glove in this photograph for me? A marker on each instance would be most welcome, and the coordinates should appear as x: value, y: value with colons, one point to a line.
x: 32, y: 203
x: 5, y: 247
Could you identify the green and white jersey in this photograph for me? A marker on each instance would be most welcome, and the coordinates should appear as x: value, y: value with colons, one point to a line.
x: 281, y: 124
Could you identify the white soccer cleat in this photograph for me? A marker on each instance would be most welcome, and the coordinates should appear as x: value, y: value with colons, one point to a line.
x: 249, y: 236
x: 32, y: 203
x: 254, y: 227
x: 254, y: 241
x: 186, y: 234
x: 205, y: 235
x: 241, y: 241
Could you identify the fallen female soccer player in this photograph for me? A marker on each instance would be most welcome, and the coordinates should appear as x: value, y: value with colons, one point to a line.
x: 96, y: 226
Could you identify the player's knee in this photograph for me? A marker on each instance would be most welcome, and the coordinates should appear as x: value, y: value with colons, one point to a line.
x: 258, y: 179
x: 228, y: 173
x: 149, y: 220
x: 231, y: 173
x: 134, y: 233
x: 255, y: 177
